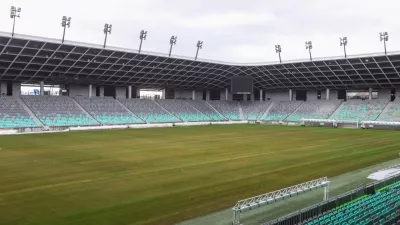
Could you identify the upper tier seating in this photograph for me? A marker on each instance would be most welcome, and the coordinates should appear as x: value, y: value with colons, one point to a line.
x: 320, y: 109
x: 229, y: 109
x: 380, y: 208
x: 254, y: 110
x: 391, y: 112
x: 107, y: 110
x: 148, y: 111
x: 57, y: 111
x: 203, y: 107
x: 281, y: 110
x: 359, y: 110
x: 13, y: 115
x: 182, y: 110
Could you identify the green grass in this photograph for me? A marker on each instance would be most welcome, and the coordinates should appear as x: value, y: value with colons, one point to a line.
x: 166, y: 175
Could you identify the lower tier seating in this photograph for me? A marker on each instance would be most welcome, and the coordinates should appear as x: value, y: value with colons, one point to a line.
x: 254, y: 110
x: 281, y: 110
x: 380, y: 208
x: 359, y: 110
x: 314, y: 110
x: 148, y: 111
x: 182, y: 110
x: 205, y: 108
x: 107, y: 110
x: 57, y: 111
x: 391, y: 112
x: 13, y: 115
x: 229, y: 109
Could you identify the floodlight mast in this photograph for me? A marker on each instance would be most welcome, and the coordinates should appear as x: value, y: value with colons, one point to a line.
x: 309, y: 46
x: 14, y: 13
x: 172, y: 42
x: 65, y: 23
x: 143, y: 36
x: 107, y: 30
x: 384, y: 36
x: 343, y: 42
x: 199, y: 46
x: 278, y: 49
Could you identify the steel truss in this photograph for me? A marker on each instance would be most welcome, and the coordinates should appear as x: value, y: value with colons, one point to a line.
x: 279, y: 195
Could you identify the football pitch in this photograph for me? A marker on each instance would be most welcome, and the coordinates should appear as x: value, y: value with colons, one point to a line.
x: 166, y: 175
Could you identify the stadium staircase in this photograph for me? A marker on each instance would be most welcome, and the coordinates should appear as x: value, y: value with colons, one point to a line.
x: 167, y: 111
x: 387, y: 106
x: 29, y: 111
x: 267, y: 111
x: 84, y: 110
x: 241, y: 111
x: 126, y: 108
x: 222, y: 115
x: 294, y: 111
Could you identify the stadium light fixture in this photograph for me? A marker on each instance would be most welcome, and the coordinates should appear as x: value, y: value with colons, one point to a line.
x: 199, y: 46
x: 143, y: 36
x: 278, y: 50
x: 172, y: 42
x: 65, y: 23
x: 14, y: 13
x: 107, y: 30
x: 384, y: 36
x: 309, y: 46
x: 343, y: 42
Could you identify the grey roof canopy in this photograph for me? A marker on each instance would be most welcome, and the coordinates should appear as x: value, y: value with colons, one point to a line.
x: 31, y: 59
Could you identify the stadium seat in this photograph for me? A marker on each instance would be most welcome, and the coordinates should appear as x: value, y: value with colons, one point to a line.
x: 57, y: 111
x: 254, y: 110
x: 359, y: 110
x: 321, y: 109
x: 281, y: 110
x: 229, y: 109
x: 108, y: 111
x: 182, y: 110
x: 205, y: 108
x: 148, y: 111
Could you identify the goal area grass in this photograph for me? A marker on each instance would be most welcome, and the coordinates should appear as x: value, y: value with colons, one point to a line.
x: 167, y: 175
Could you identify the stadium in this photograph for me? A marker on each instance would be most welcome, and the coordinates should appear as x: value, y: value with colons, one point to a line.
x: 219, y: 143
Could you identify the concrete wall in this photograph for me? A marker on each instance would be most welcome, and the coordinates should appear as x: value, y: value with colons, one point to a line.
x: 183, y: 94
x: 333, y: 94
x: 120, y: 92
x: 16, y: 89
x: 384, y: 94
x: 312, y: 95
x: 81, y: 90
x: 278, y: 95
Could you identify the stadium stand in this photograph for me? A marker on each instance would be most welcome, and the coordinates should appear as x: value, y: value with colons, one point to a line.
x: 359, y: 110
x: 107, y: 110
x: 13, y: 115
x: 254, y: 110
x: 182, y: 110
x: 281, y: 110
x: 321, y: 109
x: 57, y: 111
x: 205, y: 108
x: 363, y: 206
x: 391, y: 113
x: 229, y: 109
x: 148, y: 110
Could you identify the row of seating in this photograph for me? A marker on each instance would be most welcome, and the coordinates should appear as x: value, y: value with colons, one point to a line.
x: 380, y: 208
x: 65, y: 111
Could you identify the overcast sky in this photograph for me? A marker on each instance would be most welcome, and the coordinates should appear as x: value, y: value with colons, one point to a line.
x: 232, y: 30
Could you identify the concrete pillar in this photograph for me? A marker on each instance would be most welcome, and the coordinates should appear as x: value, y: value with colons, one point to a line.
x: 226, y: 94
x: 194, y: 95
x: 370, y: 93
x: 41, y: 88
x: 129, y: 92
x: 208, y: 95
x: 137, y: 93
x: 244, y: 97
x: 252, y: 97
x: 290, y: 95
x: 328, y: 94
x: 261, y: 95
x: 163, y: 94
x: 90, y: 90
